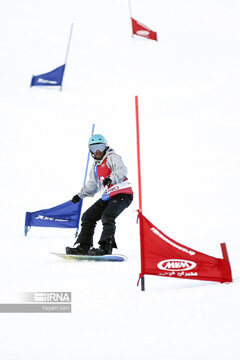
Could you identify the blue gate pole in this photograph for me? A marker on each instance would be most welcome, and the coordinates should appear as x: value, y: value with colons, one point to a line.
x: 84, y: 183
x: 68, y: 46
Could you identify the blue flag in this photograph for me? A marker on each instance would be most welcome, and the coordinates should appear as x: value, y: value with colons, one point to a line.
x: 52, y: 78
x: 65, y: 215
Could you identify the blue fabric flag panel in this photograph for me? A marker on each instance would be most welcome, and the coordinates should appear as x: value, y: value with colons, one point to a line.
x: 52, y: 78
x: 65, y: 215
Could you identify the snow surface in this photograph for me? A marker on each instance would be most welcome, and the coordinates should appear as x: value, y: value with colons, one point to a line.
x: 188, y: 88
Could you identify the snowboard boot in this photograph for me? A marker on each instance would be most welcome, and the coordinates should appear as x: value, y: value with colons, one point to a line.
x: 104, y: 249
x: 79, y: 250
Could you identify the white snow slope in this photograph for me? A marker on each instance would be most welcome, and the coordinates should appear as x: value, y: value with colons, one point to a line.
x: 188, y: 88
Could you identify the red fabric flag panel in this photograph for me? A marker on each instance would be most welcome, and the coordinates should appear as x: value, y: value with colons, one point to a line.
x: 163, y: 256
x: 142, y: 30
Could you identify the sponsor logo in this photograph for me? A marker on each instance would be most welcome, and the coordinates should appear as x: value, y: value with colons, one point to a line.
x: 143, y: 32
x: 191, y: 273
x: 41, y: 217
x: 120, y: 186
x: 43, y: 81
x: 114, y: 188
x: 176, y: 264
x: 179, y: 274
x: 155, y: 231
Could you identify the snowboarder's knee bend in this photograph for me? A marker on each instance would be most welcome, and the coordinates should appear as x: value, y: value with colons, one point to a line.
x: 86, y: 218
x: 107, y: 218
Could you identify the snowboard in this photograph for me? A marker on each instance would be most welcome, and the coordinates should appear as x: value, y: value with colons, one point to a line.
x: 110, y: 257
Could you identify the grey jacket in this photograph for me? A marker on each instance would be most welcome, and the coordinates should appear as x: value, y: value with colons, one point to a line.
x: 118, y: 174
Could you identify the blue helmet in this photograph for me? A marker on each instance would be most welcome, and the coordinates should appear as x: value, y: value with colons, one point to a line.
x: 97, y: 139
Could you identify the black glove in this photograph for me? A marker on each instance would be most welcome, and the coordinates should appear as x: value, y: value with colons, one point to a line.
x: 107, y: 182
x: 76, y: 199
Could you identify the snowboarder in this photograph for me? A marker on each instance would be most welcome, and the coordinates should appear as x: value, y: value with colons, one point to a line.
x: 108, y: 173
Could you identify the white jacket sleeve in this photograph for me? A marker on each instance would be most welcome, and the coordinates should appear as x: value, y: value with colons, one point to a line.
x: 92, y: 186
x: 119, y: 170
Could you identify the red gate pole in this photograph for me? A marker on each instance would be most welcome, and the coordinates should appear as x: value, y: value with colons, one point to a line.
x: 140, y: 195
x: 138, y: 156
x: 226, y: 258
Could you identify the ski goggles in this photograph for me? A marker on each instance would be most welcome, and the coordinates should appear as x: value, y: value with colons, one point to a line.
x: 97, y: 147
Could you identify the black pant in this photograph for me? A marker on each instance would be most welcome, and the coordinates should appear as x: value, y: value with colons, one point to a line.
x: 107, y: 211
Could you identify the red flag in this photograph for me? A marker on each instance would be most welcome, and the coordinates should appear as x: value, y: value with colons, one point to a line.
x: 142, y: 30
x: 162, y: 256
